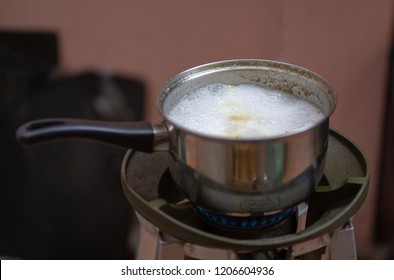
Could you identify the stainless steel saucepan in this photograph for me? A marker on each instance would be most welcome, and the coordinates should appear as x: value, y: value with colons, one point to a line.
x: 232, y: 175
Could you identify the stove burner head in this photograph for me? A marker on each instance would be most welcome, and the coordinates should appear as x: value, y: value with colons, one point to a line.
x: 238, y: 222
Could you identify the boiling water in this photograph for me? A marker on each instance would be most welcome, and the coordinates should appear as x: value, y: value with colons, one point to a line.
x: 243, y: 111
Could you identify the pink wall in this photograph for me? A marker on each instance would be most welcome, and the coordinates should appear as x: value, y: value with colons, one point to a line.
x: 347, y: 42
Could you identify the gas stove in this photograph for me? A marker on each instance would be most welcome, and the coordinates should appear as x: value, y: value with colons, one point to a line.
x: 318, y: 228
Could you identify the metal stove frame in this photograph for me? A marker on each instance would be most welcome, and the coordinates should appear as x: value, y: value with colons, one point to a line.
x: 155, y: 244
x: 326, y: 231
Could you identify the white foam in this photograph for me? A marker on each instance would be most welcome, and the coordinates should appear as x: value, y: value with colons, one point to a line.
x: 243, y: 111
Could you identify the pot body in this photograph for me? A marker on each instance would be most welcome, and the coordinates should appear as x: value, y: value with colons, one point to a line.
x: 249, y: 175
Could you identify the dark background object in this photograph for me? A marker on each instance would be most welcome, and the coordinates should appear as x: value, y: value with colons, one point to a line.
x: 385, y: 206
x: 61, y: 200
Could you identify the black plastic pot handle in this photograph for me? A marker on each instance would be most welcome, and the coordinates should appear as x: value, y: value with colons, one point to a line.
x: 135, y: 135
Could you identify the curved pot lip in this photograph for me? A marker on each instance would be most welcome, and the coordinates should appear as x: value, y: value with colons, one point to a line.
x: 239, y: 64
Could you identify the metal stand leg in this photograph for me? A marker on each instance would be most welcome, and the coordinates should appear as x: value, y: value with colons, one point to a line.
x: 154, y: 246
x: 169, y: 249
x: 147, y: 245
x: 343, y: 243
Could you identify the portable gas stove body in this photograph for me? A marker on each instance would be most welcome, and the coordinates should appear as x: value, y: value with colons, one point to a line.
x: 319, y: 228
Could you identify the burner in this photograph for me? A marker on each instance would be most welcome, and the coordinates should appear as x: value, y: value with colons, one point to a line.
x: 251, y: 222
x: 244, y: 227
x: 150, y: 189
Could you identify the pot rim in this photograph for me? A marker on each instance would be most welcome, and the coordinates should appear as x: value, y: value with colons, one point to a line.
x: 213, y: 67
